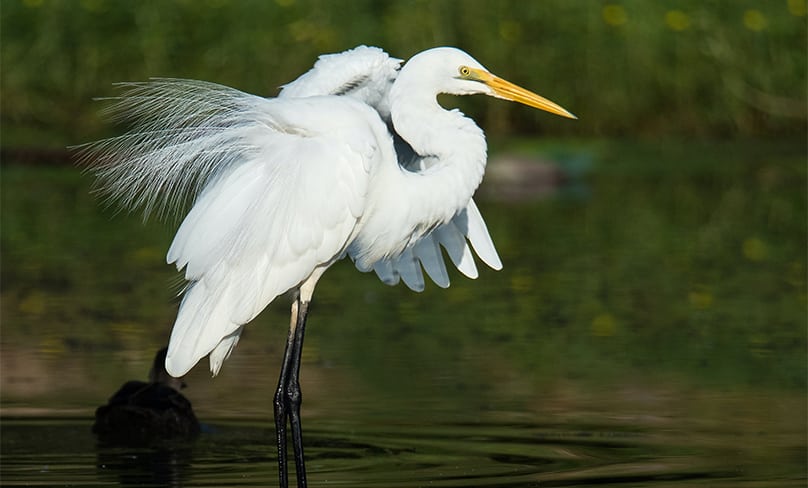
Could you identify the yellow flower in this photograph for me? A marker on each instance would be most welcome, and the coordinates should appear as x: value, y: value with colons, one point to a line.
x: 798, y: 8
x: 677, y: 20
x: 754, y: 20
x: 604, y: 325
x: 700, y: 299
x: 754, y: 249
x: 614, y: 14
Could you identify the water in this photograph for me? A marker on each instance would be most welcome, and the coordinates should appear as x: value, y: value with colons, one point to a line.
x: 636, y: 437
x: 648, y: 330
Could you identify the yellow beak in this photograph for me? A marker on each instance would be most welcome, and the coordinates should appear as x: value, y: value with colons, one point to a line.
x: 507, y: 90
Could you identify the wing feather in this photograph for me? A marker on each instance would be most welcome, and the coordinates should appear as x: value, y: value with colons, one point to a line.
x: 385, y: 271
x: 450, y: 237
x: 466, y: 231
x: 297, y: 234
x: 428, y: 253
x: 480, y: 239
x: 410, y: 270
x: 365, y: 73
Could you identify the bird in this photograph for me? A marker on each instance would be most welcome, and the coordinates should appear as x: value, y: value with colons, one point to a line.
x: 143, y: 413
x: 354, y: 159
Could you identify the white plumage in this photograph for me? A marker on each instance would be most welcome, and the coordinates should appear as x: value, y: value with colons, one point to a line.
x: 353, y: 158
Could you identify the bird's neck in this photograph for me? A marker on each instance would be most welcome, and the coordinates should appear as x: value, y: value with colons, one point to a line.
x: 413, y: 201
x: 452, y: 145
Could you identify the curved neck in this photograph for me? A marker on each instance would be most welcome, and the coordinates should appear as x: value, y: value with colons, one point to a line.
x: 452, y: 146
x: 451, y: 163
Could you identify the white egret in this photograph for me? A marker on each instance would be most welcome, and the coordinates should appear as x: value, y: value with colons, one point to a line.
x: 355, y: 158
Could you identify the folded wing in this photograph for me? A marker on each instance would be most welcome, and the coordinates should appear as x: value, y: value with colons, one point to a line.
x: 277, y: 191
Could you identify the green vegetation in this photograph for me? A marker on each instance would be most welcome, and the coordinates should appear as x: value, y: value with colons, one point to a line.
x: 690, y: 68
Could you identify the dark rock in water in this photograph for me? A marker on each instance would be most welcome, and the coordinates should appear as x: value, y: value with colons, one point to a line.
x: 142, y: 413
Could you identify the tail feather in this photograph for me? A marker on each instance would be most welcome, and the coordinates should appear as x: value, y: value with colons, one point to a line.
x: 202, y: 322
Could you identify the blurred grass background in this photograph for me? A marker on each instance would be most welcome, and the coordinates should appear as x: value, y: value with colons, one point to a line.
x: 627, y: 68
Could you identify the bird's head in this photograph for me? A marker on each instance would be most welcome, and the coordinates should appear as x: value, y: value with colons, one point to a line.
x: 450, y: 70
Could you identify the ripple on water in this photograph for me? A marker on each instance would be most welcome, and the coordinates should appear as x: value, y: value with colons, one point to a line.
x: 449, y: 454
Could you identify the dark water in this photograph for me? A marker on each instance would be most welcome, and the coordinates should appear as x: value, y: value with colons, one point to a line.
x: 635, y: 435
x: 627, y: 432
x: 648, y: 330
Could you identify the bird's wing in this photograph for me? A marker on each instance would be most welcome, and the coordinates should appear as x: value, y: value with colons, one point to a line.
x: 283, y: 182
x: 466, y: 231
x: 366, y: 74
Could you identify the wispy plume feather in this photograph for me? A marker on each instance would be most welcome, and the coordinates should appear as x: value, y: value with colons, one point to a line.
x: 183, y: 133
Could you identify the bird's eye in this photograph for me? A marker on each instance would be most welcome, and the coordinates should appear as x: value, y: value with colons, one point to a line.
x: 465, y: 71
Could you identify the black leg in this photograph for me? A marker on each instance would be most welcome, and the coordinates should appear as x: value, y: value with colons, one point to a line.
x: 279, y: 402
x: 288, y: 397
x: 295, y: 397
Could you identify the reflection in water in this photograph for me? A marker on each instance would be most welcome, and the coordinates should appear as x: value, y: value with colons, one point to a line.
x: 158, y: 466
x: 648, y: 451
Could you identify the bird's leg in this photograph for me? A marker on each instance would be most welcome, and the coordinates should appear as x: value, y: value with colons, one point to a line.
x: 295, y: 396
x: 288, y: 397
x: 279, y: 402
